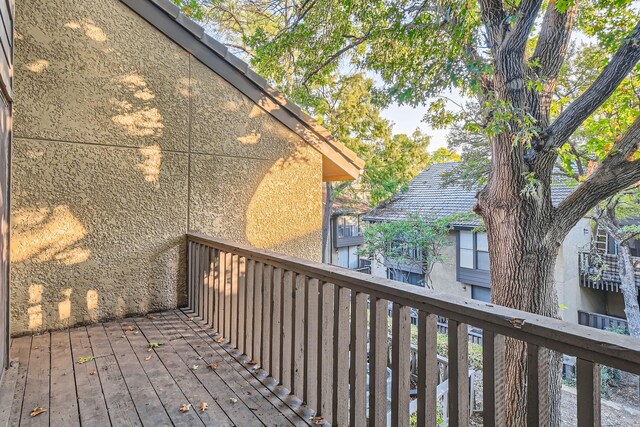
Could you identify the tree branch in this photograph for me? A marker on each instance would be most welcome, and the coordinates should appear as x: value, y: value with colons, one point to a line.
x: 358, y: 41
x: 620, y: 65
x: 493, y: 16
x: 618, y: 171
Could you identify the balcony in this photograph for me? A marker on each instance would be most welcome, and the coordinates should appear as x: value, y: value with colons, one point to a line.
x: 601, y: 321
x: 607, y: 266
x: 348, y: 235
x: 269, y: 339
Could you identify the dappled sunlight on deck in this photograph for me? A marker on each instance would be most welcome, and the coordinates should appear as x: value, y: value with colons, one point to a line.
x: 137, y: 371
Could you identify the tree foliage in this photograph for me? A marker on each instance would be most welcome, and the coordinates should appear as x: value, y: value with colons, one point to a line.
x: 414, y: 244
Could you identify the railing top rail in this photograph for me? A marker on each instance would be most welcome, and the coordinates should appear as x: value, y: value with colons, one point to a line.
x: 614, y: 350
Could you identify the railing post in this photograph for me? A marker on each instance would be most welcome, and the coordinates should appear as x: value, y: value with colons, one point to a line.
x: 400, y: 369
x: 341, y: 357
x: 378, y: 355
x: 588, y: 383
x: 493, y: 378
x: 427, y: 369
x: 458, y: 374
x: 357, y: 373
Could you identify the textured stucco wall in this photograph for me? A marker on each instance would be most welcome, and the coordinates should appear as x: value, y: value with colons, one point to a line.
x: 567, y: 277
x: 122, y: 142
x: 443, y: 275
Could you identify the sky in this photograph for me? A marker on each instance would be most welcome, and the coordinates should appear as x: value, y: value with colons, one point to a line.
x: 406, y: 119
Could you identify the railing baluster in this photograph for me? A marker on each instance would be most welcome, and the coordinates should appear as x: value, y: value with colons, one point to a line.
x: 233, y: 293
x: 298, y: 335
x: 196, y: 275
x: 493, y: 378
x: 588, y: 383
x: 378, y: 362
x: 311, y: 349
x: 400, y: 369
x: 205, y: 282
x: 242, y: 301
x: 286, y: 344
x: 227, y: 295
x: 190, y: 275
x: 325, y: 344
x: 276, y: 322
x: 427, y: 368
x: 267, y: 302
x: 458, y: 374
x: 357, y: 373
x: 222, y: 293
x: 216, y: 289
x: 212, y: 279
x: 341, y: 357
x: 248, y: 339
x: 257, y: 313
x: 537, y: 394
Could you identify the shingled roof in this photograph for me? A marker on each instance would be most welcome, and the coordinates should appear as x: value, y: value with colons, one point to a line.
x: 339, y: 163
x: 427, y: 195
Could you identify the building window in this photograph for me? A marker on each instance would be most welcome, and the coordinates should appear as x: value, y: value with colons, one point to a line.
x: 348, y: 257
x: 416, y: 279
x: 481, y: 293
x: 473, y: 250
x: 348, y: 226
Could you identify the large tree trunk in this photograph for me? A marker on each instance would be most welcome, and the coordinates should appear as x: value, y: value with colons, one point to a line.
x: 629, y: 289
x: 523, y: 257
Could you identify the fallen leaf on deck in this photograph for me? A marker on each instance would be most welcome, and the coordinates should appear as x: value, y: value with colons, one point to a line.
x: 185, y: 407
x: 203, y: 406
x: 148, y: 357
x: 194, y: 367
x: 252, y: 362
x: 154, y: 344
x: 219, y: 339
x: 214, y: 366
x: 130, y: 328
x: 200, y: 357
x: 85, y: 359
x: 37, y: 411
x: 151, y: 317
x: 317, y: 420
x: 92, y: 372
x: 233, y: 400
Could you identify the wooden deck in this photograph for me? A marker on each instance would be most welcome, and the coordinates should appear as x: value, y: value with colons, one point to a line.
x: 128, y: 384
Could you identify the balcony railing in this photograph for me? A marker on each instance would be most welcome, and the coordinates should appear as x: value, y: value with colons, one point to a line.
x: 320, y: 333
x: 601, y: 272
x: 601, y: 321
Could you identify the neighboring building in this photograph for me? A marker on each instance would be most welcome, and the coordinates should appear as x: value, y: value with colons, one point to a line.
x: 132, y: 127
x: 599, y: 275
x: 467, y: 259
x: 345, y: 234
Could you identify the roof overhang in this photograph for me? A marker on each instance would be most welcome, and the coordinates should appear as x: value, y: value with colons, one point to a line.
x: 338, y: 162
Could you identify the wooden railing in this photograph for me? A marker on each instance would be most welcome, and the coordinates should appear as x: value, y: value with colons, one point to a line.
x: 316, y: 328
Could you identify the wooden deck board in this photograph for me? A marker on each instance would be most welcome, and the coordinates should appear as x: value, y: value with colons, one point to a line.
x: 292, y: 417
x: 121, y: 387
x: 36, y: 393
x: 229, y: 399
x: 93, y: 408
x: 122, y: 411
x: 20, y: 349
x: 63, y: 399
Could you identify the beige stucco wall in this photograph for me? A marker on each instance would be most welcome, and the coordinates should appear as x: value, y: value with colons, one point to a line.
x: 122, y: 142
x: 443, y: 275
